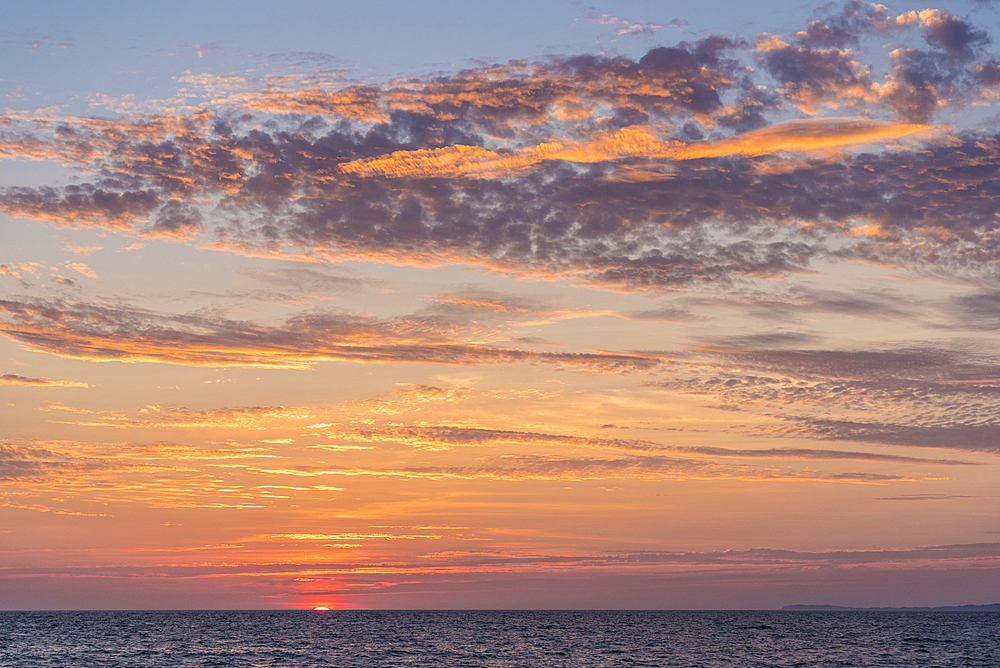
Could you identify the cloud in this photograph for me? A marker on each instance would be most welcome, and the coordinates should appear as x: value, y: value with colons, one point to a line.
x: 811, y: 78
x: 630, y: 142
x: 856, y: 19
x: 930, y: 381
x: 82, y: 269
x: 116, y: 333
x: 21, y: 465
x: 408, y: 397
x: 952, y: 34
x: 620, y: 235
x: 79, y: 205
x: 620, y: 27
x: 918, y: 397
x: 80, y: 249
x: 933, y: 365
x: 864, y: 304
x: 664, y: 231
x: 665, y: 313
x: 250, y: 418
x: 665, y: 172
x: 309, y: 281
x: 951, y: 435
x: 766, y: 340
x: 71, y: 477
x: 448, y: 437
x: 445, y: 437
x: 14, y: 379
x: 176, y: 219
x: 179, y: 451
x: 547, y: 467
x: 980, y: 310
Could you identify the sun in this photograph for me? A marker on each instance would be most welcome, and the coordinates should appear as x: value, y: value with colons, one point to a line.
x: 321, y: 607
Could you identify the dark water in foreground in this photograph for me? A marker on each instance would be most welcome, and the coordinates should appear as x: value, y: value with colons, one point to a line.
x: 499, y: 639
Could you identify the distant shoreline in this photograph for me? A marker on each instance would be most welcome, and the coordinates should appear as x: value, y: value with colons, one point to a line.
x: 989, y: 607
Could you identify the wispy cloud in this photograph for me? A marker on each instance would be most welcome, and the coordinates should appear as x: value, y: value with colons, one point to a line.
x: 447, y: 437
x: 619, y: 27
x: 30, y: 464
x: 109, y: 332
x: 921, y: 396
x: 14, y: 379
x: 252, y: 418
x: 572, y: 469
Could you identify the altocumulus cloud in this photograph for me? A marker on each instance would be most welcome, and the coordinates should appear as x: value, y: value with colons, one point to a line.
x: 657, y: 173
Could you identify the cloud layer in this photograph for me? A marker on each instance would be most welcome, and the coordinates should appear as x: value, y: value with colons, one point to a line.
x: 677, y: 168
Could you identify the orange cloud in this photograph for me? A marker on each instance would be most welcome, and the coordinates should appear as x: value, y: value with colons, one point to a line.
x: 13, y: 379
x: 255, y: 418
x: 804, y: 135
x: 630, y: 142
x: 544, y: 467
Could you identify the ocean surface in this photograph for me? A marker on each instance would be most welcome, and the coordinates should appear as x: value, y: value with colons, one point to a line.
x: 499, y: 639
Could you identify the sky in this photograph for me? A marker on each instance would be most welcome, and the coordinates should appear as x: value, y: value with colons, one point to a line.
x: 634, y: 305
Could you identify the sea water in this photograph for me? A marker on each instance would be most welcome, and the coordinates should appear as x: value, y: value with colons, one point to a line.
x: 501, y: 639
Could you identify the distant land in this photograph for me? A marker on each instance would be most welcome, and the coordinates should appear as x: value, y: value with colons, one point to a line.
x: 989, y: 607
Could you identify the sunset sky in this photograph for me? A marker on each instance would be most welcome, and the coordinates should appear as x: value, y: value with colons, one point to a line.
x: 527, y: 305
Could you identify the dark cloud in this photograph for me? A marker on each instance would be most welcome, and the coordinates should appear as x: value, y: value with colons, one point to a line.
x: 665, y: 313
x: 771, y: 339
x: 988, y: 73
x: 977, y: 311
x: 951, y: 435
x: 932, y: 365
x: 844, y: 29
x: 79, y: 205
x: 919, y: 83
x: 176, y: 219
x: 821, y: 69
x: 812, y: 77
x: 957, y: 38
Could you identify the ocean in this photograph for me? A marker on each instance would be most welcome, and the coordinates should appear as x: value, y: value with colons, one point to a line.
x: 501, y: 639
